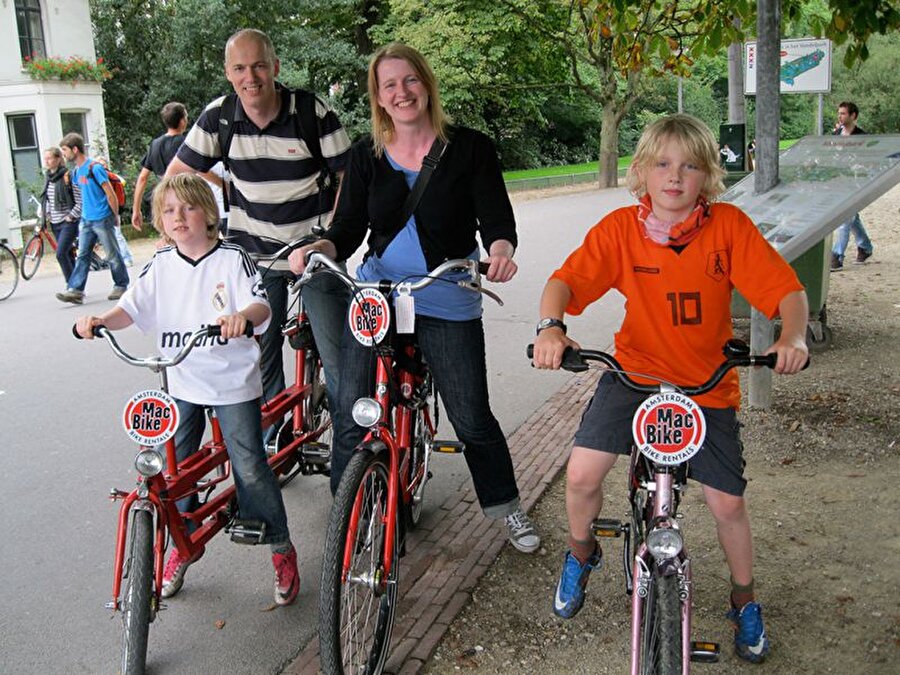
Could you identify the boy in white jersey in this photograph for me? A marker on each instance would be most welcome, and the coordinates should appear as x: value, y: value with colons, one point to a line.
x: 199, y: 280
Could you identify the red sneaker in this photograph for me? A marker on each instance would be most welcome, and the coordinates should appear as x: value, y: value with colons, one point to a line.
x: 173, y: 574
x: 287, y: 577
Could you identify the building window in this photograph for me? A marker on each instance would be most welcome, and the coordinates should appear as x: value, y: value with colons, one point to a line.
x: 26, y: 158
x: 77, y: 122
x: 31, y: 30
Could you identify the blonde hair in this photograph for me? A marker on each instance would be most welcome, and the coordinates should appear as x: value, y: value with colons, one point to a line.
x: 382, y: 125
x: 695, y: 139
x: 190, y: 189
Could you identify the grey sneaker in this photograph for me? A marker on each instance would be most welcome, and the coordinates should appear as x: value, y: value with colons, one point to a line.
x: 521, y: 532
x: 117, y: 292
x: 71, y: 295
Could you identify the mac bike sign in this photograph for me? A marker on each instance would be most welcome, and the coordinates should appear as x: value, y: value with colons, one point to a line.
x: 150, y: 417
x: 805, y: 66
x: 669, y: 428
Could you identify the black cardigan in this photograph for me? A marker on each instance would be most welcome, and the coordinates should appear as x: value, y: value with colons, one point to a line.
x: 466, y: 193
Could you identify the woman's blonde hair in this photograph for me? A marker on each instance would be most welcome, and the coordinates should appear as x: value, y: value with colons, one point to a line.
x: 382, y: 125
x: 696, y: 140
x: 190, y: 189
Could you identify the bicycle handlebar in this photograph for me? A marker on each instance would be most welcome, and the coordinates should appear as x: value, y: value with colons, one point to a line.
x: 737, y: 354
x: 475, y: 268
x: 156, y: 363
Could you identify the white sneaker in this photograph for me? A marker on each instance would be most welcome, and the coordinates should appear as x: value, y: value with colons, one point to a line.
x: 521, y: 532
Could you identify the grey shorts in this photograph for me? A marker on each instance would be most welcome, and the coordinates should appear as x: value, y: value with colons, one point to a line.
x: 606, y: 425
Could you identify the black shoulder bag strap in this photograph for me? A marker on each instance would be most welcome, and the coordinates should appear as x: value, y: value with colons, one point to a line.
x: 429, y: 164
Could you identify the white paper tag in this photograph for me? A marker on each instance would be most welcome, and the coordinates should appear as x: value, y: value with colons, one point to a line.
x: 405, y: 311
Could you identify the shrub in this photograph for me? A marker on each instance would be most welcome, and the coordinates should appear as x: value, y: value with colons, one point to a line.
x: 72, y: 68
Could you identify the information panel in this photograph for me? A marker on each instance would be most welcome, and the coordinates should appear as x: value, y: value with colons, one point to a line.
x: 823, y: 181
x: 805, y: 66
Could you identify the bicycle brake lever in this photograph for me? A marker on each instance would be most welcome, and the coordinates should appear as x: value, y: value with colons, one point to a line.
x: 472, y: 286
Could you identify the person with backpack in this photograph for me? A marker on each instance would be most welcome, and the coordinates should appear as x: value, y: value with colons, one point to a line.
x: 284, y: 149
x: 161, y: 151
x: 99, y: 217
x: 61, y: 206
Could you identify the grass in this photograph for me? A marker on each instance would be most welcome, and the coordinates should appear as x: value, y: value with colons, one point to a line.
x: 588, y: 167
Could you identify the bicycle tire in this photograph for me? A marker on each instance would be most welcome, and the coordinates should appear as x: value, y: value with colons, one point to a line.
x: 97, y: 263
x: 356, y: 619
x: 137, y: 597
x: 421, y: 438
x: 660, y: 647
x: 316, y: 413
x: 9, y: 272
x: 31, y: 256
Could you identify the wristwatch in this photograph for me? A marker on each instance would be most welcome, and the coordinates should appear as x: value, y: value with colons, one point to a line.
x: 550, y: 323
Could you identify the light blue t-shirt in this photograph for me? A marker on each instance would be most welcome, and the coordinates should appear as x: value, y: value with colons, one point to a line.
x: 403, y: 259
x: 94, y: 205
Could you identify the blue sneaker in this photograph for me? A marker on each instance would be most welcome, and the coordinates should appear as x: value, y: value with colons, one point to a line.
x: 750, y: 641
x: 570, y: 590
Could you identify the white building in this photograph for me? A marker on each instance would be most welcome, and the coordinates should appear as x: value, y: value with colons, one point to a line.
x: 38, y: 113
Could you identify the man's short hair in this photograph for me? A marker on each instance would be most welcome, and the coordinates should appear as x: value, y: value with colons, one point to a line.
x: 73, y: 140
x: 851, y: 107
x: 257, y: 35
x: 172, y: 113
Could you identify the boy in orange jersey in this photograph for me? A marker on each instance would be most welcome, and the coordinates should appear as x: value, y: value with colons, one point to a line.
x: 676, y: 258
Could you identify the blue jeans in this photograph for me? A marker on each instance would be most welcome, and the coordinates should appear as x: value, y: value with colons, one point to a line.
x: 124, y: 251
x: 65, y: 234
x: 454, y: 351
x: 326, y: 299
x: 91, y: 231
x: 258, y: 494
x: 842, y: 239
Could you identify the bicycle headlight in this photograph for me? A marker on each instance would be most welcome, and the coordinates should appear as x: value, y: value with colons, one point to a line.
x: 366, y: 412
x: 665, y: 543
x: 148, y: 462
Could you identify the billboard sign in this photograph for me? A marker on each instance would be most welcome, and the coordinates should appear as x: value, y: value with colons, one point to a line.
x: 805, y: 66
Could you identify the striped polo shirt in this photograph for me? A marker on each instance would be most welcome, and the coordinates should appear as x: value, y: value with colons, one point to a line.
x: 273, y: 194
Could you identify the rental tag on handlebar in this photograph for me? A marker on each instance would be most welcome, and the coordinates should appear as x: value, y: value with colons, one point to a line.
x: 669, y: 428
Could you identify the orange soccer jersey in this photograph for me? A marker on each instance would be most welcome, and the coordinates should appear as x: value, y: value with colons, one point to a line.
x: 678, y: 305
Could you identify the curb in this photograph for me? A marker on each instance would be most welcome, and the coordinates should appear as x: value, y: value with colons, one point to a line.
x: 446, y: 559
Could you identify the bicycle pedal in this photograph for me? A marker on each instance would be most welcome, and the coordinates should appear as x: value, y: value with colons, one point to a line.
x: 316, y: 452
x: 250, y: 532
x: 704, y: 652
x: 450, y: 447
x: 607, y: 527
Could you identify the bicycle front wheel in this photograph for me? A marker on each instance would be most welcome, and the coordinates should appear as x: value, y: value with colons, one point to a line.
x: 31, y: 256
x: 356, y: 607
x: 661, y: 630
x: 9, y: 272
x: 138, y: 599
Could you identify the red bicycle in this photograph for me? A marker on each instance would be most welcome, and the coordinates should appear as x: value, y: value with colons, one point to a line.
x: 33, y: 251
x: 148, y: 516
x: 382, y: 489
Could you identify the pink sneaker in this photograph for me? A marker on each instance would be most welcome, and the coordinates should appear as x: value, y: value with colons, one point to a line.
x: 287, y: 578
x: 173, y: 574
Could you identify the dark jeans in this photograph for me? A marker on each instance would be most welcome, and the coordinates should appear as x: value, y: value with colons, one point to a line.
x: 65, y: 234
x: 258, y: 493
x: 454, y: 351
x: 326, y: 299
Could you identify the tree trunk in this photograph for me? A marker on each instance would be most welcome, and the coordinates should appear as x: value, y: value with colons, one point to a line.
x: 737, y: 112
x: 609, y: 148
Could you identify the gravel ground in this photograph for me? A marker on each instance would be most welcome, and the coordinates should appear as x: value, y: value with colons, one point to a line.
x: 823, y: 465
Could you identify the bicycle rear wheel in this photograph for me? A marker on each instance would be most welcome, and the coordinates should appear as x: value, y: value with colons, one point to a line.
x: 31, y: 256
x: 316, y: 412
x: 137, y: 598
x: 9, y: 272
x: 356, y: 612
x: 661, y: 630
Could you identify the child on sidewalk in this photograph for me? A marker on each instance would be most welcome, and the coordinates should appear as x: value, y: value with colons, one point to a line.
x: 676, y: 258
x: 199, y: 280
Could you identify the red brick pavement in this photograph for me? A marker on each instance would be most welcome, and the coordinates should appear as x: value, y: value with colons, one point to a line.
x: 445, y: 560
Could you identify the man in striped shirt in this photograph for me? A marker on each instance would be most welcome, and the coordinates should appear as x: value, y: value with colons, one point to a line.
x: 273, y: 195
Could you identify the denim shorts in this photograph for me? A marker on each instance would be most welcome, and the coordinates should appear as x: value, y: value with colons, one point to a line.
x: 606, y: 425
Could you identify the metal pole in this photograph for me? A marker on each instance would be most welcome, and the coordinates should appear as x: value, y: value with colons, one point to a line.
x: 821, y: 114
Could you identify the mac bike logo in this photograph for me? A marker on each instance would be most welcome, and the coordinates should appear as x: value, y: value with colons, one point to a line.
x: 150, y: 417
x: 369, y: 316
x: 669, y: 428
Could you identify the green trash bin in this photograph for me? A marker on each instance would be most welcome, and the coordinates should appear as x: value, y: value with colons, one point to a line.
x: 813, y: 269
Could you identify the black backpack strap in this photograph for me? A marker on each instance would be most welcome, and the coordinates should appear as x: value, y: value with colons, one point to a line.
x: 226, y: 126
x: 307, y: 127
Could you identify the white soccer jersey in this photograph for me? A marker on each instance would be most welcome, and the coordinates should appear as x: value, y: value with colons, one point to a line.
x: 174, y: 296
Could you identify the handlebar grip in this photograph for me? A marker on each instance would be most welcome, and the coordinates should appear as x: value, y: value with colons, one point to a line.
x: 95, y: 330
x: 571, y: 359
x: 483, y: 267
x: 216, y: 330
